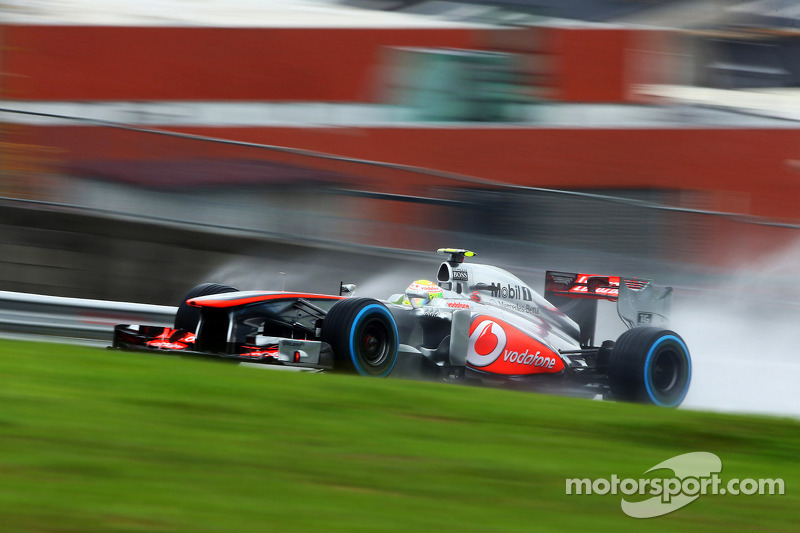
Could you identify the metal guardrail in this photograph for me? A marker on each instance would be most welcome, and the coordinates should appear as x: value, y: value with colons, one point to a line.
x: 76, y: 318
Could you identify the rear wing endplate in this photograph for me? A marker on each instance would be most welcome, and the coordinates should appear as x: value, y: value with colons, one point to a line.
x: 644, y: 305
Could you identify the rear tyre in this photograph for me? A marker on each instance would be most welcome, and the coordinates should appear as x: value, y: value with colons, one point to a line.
x: 650, y: 365
x: 363, y: 335
x: 187, y: 317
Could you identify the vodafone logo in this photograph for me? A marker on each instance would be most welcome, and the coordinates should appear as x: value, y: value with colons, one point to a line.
x: 486, y: 343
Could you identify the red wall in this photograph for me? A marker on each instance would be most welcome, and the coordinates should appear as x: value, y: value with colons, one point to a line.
x: 157, y: 63
x: 589, y: 65
x: 755, y: 163
x: 605, y: 65
x: 296, y: 64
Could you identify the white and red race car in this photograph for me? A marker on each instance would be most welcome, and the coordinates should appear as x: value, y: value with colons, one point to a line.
x: 474, y: 322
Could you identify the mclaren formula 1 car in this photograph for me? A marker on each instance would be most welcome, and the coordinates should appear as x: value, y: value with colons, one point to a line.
x: 474, y: 323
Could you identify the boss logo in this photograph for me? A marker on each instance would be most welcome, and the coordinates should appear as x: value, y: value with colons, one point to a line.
x: 460, y: 275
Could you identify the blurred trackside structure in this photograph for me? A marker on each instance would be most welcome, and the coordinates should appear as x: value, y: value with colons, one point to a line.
x: 332, y: 90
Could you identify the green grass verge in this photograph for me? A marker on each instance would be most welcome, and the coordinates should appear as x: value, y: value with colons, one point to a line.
x: 94, y: 440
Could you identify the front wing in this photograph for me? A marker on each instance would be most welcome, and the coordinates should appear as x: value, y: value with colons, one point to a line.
x: 279, y: 351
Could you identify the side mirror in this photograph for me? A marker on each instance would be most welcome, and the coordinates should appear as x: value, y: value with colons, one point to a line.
x: 347, y: 289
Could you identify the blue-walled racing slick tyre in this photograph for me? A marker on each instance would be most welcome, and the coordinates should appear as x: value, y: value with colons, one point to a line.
x: 363, y: 335
x: 650, y: 365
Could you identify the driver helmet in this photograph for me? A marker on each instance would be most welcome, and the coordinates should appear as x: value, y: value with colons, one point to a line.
x: 421, y: 292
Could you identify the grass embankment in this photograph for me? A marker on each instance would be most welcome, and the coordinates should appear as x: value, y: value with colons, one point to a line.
x: 94, y: 440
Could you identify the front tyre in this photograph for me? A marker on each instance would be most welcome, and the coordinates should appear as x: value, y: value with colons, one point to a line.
x: 650, y: 365
x: 363, y: 335
x: 187, y: 317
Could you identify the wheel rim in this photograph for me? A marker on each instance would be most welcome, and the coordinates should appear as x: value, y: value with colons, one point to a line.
x: 375, y: 343
x: 666, y: 372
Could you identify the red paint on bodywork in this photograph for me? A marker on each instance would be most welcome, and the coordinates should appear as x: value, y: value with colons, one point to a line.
x: 233, y: 301
x: 498, y: 347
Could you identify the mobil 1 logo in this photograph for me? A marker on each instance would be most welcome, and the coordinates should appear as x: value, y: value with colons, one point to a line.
x: 512, y: 292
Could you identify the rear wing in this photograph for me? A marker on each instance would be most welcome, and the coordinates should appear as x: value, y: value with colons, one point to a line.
x: 639, y: 301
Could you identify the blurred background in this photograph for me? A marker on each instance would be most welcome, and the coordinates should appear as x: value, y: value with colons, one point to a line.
x: 149, y: 146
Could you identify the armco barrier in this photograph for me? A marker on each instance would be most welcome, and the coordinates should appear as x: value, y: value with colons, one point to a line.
x: 74, y: 317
